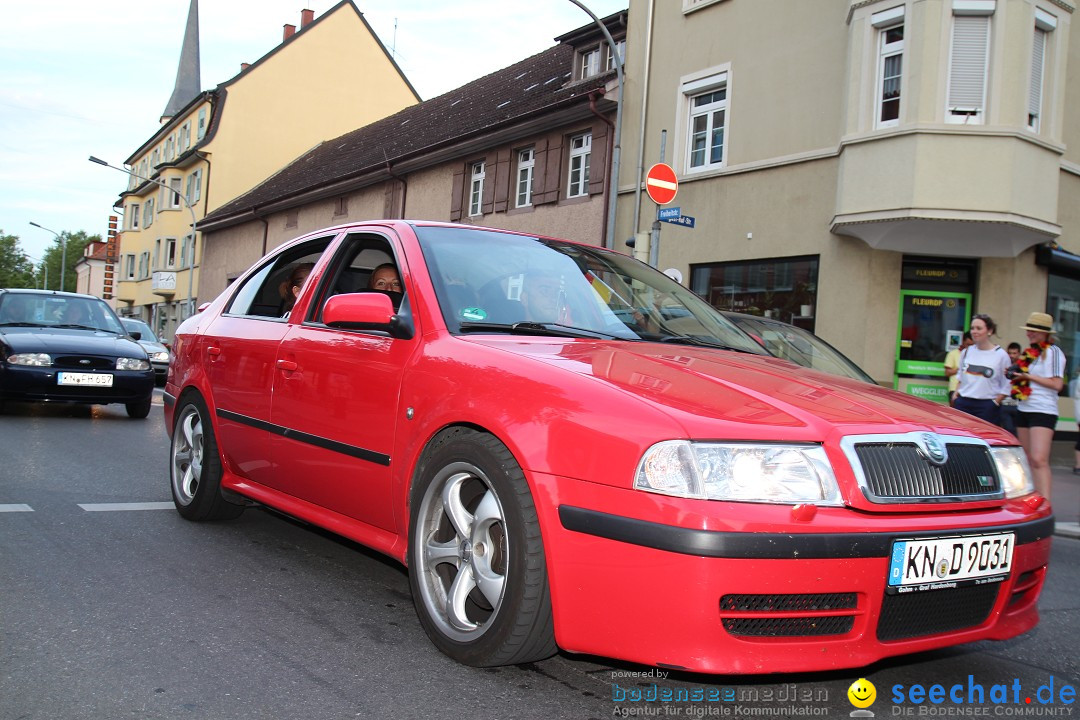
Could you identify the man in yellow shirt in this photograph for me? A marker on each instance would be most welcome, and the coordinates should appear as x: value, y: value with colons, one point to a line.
x: 952, y: 366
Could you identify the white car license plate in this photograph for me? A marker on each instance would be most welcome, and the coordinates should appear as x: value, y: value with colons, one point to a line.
x: 95, y: 379
x: 942, y: 561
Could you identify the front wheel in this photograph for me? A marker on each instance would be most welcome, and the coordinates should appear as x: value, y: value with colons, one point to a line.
x: 138, y: 410
x: 476, y: 559
x: 195, y: 466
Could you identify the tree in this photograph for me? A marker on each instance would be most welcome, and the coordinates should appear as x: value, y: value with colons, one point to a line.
x: 76, y: 243
x: 16, y: 269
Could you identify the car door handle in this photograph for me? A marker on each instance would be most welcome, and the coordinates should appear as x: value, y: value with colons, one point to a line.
x: 287, y: 365
x: 213, y: 352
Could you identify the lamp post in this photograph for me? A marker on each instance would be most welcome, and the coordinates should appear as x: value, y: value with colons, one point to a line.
x: 63, y: 254
x: 616, y: 151
x: 187, y: 204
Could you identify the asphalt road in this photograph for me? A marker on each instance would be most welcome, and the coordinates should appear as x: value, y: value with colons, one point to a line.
x: 112, y: 606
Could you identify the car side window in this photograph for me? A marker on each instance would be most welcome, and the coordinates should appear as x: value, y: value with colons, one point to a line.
x: 262, y: 294
x: 363, y: 264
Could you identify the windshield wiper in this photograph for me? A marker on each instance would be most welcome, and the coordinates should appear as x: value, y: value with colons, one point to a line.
x: 76, y: 326
x: 536, y: 328
x: 20, y: 324
x: 701, y: 342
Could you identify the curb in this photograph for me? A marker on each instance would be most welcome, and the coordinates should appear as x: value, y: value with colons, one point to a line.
x: 1067, y: 529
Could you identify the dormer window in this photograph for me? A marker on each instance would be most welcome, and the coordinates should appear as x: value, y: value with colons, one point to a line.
x: 589, y: 63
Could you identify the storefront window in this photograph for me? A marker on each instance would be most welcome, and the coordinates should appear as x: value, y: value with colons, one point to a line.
x: 785, y: 289
x: 1063, y: 302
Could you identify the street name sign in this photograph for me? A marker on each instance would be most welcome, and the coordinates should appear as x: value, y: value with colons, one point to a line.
x: 667, y: 213
x: 684, y: 220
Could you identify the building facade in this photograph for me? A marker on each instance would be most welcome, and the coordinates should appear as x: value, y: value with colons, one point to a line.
x: 215, y: 145
x: 526, y: 148
x: 873, y: 170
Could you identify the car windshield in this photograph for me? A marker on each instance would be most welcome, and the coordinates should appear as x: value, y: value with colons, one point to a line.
x: 57, y: 311
x: 145, y: 333
x: 800, y: 346
x: 489, y: 281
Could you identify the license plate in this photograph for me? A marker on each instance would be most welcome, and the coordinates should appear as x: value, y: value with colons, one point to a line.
x: 942, y: 561
x: 95, y: 379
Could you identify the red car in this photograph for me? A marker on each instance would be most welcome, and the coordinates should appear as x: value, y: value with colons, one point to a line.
x: 570, y: 450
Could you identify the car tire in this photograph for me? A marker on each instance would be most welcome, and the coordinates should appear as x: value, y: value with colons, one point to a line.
x: 138, y: 410
x: 195, y: 466
x: 477, y: 568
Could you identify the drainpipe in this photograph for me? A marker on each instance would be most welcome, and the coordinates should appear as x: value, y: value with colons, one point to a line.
x: 404, y: 185
x: 612, y: 187
x: 641, y: 133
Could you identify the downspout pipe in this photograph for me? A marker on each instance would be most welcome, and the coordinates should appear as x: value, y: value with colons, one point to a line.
x: 609, y: 221
x: 613, y: 188
x: 644, y: 114
x: 404, y: 186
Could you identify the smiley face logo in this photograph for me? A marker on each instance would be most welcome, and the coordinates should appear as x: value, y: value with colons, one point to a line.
x: 862, y: 693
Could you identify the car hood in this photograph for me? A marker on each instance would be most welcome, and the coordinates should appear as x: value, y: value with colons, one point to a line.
x: 152, y: 347
x: 85, y: 342
x: 706, y: 389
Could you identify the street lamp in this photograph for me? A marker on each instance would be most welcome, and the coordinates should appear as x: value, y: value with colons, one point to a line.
x: 63, y: 253
x: 616, y: 151
x: 191, y: 268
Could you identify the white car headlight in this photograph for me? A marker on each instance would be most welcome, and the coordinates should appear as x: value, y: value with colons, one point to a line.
x: 31, y: 359
x: 742, y: 472
x: 160, y: 356
x: 1012, y: 467
x: 131, y: 364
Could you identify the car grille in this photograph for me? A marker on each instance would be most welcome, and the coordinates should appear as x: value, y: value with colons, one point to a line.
x: 83, y: 362
x: 893, y: 470
x: 788, y: 615
x: 910, y: 615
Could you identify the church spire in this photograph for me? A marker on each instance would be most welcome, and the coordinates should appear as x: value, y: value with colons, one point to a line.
x: 188, y: 82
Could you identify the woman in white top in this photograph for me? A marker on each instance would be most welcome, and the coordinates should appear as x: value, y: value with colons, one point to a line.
x: 983, y: 384
x: 1036, y: 384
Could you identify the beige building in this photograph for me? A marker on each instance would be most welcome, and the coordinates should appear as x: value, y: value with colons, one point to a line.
x: 526, y: 148
x: 91, y: 272
x: 873, y: 170
x: 325, y: 78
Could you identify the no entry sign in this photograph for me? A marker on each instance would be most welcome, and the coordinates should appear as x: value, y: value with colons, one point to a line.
x: 661, y: 183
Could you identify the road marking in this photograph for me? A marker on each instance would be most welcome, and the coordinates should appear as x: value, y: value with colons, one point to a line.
x: 110, y: 507
x: 16, y: 508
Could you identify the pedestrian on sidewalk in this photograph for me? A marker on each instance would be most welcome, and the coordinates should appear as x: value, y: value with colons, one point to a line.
x: 952, y: 366
x: 1037, y: 379
x: 982, y: 367
x: 1008, y: 405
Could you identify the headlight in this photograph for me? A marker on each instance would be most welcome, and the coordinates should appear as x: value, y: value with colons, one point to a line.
x: 742, y: 472
x: 160, y: 356
x: 31, y: 359
x: 1012, y: 467
x: 131, y: 364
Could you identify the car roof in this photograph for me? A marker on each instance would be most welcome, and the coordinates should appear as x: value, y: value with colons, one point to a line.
x: 48, y: 293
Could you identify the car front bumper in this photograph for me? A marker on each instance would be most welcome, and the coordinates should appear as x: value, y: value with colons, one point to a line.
x: 634, y: 577
x: 41, y: 384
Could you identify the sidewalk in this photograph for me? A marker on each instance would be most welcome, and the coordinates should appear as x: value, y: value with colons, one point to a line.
x: 1066, y: 490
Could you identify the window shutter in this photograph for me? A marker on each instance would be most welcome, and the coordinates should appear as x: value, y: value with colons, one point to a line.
x: 539, y: 165
x: 457, y: 194
x: 1038, y: 52
x: 501, y: 180
x: 487, y: 201
x: 552, y: 170
x: 967, y: 78
x: 598, y: 168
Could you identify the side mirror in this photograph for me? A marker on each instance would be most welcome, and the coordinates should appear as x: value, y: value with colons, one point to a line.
x: 366, y: 311
x: 135, y: 335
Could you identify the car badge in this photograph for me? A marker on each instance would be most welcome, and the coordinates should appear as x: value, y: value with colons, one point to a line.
x: 933, y: 447
x: 84, y: 361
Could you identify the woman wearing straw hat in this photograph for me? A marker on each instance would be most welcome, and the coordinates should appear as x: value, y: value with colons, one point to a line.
x: 1037, y: 379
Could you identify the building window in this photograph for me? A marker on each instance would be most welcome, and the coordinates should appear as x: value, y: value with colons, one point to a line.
x: 129, y: 266
x: 155, y: 158
x: 526, y: 166
x: 185, y: 136
x: 476, y: 188
x: 194, y: 187
x: 170, y: 253
x: 148, y: 212
x: 968, y: 62
x: 187, y: 252
x: 132, y: 216
x: 157, y: 255
x: 580, y: 154
x: 610, y: 63
x: 170, y: 148
x: 144, y: 264
x: 201, y: 132
x: 1044, y: 24
x: 589, y: 63
x: 785, y: 289
x: 173, y: 195
x: 890, y: 64
x: 708, y: 120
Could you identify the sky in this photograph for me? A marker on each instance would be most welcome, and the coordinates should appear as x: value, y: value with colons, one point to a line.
x: 81, y: 78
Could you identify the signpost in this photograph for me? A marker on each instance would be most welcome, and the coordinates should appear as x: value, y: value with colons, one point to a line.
x: 661, y: 183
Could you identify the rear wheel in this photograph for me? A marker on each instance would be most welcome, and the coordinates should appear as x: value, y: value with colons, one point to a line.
x: 476, y: 559
x: 195, y: 466
x: 139, y: 409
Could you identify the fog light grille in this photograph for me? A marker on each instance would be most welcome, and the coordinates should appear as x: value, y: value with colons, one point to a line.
x: 935, y: 611
x: 780, y: 615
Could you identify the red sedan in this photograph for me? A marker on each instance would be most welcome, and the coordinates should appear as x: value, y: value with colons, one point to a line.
x: 570, y: 450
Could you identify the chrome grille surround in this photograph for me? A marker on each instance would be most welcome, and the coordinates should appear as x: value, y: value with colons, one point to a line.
x: 913, y: 475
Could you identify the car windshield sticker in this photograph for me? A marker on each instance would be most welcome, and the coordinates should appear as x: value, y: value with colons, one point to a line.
x: 473, y: 313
